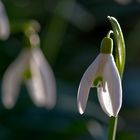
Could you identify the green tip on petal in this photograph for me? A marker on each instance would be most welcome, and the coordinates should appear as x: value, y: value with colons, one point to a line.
x: 27, y: 74
x: 97, y: 80
x: 106, y: 45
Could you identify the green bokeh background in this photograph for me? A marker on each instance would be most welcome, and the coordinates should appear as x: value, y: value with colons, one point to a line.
x: 71, y: 32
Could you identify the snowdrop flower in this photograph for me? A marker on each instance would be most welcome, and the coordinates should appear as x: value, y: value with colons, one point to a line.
x: 4, y: 23
x: 103, y: 74
x: 40, y: 82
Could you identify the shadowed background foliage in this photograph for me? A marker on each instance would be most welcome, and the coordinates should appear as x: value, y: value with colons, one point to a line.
x: 71, y: 32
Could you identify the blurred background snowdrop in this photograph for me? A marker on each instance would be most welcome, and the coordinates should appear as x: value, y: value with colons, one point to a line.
x: 4, y: 23
x: 32, y: 68
x: 96, y: 130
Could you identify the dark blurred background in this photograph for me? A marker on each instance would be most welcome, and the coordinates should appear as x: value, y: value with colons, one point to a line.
x: 71, y: 32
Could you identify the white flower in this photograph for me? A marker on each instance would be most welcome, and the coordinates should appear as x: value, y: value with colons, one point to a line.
x: 4, y: 23
x: 103, y: 74
x: 41, y: 84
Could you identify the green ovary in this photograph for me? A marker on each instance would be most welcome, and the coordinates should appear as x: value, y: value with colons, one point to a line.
x: 106, y: 45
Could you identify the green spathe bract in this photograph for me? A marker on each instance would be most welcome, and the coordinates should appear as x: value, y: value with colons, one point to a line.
x: 120, y: 44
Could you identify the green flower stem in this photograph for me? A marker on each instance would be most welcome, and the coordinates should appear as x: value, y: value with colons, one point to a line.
x: 120, y: 63
x: 112, y: 128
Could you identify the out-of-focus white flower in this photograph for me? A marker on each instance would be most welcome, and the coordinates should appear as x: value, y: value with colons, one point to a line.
x: 103, y: 74
x: 40, y: 84
x: 4, y: 23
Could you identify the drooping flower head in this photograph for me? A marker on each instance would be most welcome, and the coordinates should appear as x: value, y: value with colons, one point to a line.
x: 32, y: 68
x: 102, y: 74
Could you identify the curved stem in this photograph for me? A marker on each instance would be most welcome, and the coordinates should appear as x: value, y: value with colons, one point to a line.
x: 109, y: 33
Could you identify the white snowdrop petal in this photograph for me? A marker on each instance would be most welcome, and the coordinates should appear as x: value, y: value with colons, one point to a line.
x: 47, y: 77
x: 104, y: 99
x: 12, y: 79
x: 111, y: 76
x: 85, y: 85
x: 35, y: 85
x: 4, y: 23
